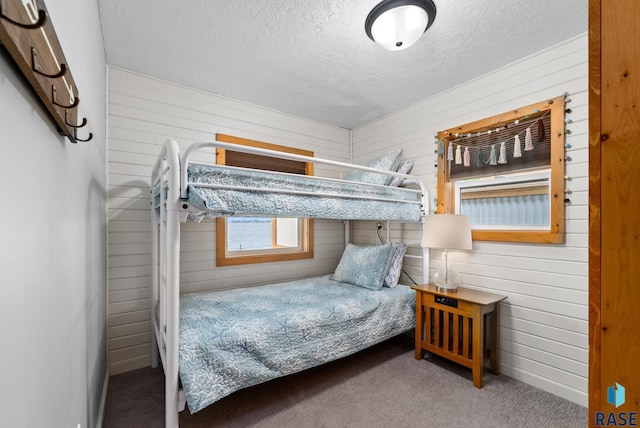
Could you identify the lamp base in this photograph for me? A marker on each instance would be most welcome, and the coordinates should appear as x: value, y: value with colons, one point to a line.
x: 446, y: 281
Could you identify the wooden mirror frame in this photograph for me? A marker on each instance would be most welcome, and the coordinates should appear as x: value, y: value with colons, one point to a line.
x: 446, y: 188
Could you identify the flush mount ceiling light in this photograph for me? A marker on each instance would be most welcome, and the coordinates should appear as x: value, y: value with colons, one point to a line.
x: 397, y: 24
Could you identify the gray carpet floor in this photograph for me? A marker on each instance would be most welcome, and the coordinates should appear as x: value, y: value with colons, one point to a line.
x: 383, y: 386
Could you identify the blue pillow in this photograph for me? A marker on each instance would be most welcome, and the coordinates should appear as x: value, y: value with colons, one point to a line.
x: 398, y: 249
x: 364, y: 266
x: 386, y: 162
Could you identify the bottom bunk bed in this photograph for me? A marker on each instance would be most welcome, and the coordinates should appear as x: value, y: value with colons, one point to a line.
x: 237, y: 338
x: 215, y: 343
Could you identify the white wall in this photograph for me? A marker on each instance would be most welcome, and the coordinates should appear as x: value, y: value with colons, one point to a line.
x: 143, y: 113
x: 543, y: 324
x: 53, y: 240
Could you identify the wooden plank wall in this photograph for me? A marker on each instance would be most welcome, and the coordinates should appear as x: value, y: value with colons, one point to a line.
x: 544, y: 322
x: 143, y: 113
x: 614, y: 198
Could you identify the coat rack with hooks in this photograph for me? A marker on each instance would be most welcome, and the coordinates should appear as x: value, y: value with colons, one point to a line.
x: 27, y: 32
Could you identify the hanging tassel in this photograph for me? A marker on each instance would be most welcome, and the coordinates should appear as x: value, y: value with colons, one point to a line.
x: 528, y: 144
x: 541, y: 134
x: 458, y: 155
x: 503, y: 154
x: 467, y: 157
x: 450, y: 152
x: 441, y: 147
x: 480, y: 163
x: 492, y: 155
x: 517, y: 147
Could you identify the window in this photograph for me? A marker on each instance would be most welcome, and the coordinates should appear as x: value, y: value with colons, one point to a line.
x: 245, y: 240
x: 247, y: 235
x: 510, y: 202
x: 507, y: 173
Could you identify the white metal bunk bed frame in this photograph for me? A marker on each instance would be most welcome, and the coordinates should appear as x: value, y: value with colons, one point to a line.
x: 169, y: 186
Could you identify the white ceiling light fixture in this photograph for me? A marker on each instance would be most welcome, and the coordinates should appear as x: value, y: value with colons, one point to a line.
x: 398, y: 24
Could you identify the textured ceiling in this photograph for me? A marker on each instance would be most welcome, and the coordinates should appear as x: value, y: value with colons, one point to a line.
x: 312, y: 58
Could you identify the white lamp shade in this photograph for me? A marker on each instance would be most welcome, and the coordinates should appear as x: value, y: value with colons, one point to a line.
x: 447, y: 231
x: 400, y: 27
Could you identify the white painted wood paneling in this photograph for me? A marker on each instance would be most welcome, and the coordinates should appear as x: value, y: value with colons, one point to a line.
x: 543, y: 323
x: 143, y: 113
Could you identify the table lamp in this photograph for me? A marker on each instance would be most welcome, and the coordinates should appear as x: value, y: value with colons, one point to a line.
x: 447, y: 232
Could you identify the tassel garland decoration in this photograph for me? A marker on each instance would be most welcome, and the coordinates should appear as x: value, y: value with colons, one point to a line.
x: 492, y: 155
x: 467, y: 157
x: 441, y: 147
x: 503, y: 154
x: 528, y: 144
x: 450, y: 152
x: 458, y: 155
x: 517, y: 147
x: 480, y: 163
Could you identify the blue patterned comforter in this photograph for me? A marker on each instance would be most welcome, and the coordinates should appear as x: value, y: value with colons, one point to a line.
x: 396, y: 204
x: 233, y: 339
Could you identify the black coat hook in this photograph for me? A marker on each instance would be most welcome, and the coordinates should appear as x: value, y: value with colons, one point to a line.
x: 88, y: 139
x: 63, y: 67
x: 66, y: 121
x: 42, y: 17
x: 84, y: 122
x: 76, y: 101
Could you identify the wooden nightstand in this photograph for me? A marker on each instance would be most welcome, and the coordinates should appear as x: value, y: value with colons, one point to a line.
x: 452, y: 325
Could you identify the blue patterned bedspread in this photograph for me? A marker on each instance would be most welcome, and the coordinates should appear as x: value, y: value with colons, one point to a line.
x: 233, y: 339
x: 397, y: 204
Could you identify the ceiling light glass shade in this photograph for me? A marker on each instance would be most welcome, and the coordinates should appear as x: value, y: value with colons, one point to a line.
x: 398, y: 24
x: 399, y: 28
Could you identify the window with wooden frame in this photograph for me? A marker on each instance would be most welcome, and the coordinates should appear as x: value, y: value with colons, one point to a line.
x: 507, y: 173
x: 247, y: 240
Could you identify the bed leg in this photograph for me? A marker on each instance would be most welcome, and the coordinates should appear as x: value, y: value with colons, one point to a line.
x: 182, y: 401
x: 155, y: 356
x: 171, y: 404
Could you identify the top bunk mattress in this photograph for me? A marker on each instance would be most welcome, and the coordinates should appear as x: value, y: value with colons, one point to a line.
x: 227, y: 191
